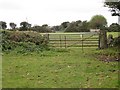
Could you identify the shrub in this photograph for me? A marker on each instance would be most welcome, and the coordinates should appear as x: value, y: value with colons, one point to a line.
x: 114, y: 27
x: 110, y: 40
x: 26, y: 41
x: 116, y: 41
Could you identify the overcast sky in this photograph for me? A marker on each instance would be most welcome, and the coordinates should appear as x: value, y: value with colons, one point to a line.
x: 52, y: 12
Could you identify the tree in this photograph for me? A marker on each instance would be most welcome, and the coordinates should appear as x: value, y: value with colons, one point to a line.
x: 24, y: 26
x: 64, y: 25
x: 56, y: 28
x: 13, y: 25
x: 3, y: 25
x: 98, y: 22
x: 45, y: 25
x: 78, y: 26
x: 114, y: 27
x: 36, y: 28
x: 29, y: 25
x: 79, y: 23
x: 72, y: 27
x: 114, y: 7
x: 84, y: 26
x: 41, y: 29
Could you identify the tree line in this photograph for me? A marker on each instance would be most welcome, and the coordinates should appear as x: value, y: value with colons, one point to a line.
x: 96, y: 22
x: 25, y: 26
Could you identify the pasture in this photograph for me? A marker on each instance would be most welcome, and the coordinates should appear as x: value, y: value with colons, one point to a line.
x: 60, y: 68
x: 115, y: 34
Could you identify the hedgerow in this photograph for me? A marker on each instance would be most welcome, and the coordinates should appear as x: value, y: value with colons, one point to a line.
x: 23, y: 41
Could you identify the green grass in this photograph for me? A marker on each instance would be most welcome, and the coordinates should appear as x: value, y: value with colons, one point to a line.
x: 115, y: 34
x: 58, y: 68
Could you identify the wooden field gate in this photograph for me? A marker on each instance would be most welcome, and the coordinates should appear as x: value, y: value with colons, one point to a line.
x: 83, y: 39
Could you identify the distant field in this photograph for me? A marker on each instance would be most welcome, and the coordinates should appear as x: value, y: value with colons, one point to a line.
x: 115, y: 34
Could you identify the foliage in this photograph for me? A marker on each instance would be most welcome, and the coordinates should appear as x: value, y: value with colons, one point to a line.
x: 117, y: 41
x: 114, y: 27
x: 64, y: 25
x: 56, y: 28
x: 42, y: 29
x: 115, y: 38
x: 3, y: 25
x: 78, y: 26
x: 115, y: 7
x: 24, y: 26
x: 71, y: 28
x: 13, y: 25
x: 26, y: 40
x: 45, y: 25
x: 98, y: 21
x: 84, y: 27
x: 75, y: 26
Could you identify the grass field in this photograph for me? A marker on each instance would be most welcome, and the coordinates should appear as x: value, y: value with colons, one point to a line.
x: 115, y: 34
x: 59, y: 68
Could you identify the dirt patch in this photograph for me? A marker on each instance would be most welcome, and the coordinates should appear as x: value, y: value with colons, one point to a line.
x: 107, y: 58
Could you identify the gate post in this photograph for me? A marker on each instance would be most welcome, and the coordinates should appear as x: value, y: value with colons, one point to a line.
x: 102, y: 39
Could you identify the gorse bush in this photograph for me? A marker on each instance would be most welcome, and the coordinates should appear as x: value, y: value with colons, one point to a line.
x: 23, y: 41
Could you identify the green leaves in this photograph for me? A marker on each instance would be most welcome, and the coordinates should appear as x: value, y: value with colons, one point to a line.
x: 98, y: 21
x: 23, y: 41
